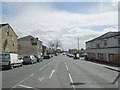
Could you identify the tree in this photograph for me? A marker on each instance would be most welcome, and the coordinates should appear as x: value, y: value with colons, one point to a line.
x: 55, y: 44
x: 51, y: 44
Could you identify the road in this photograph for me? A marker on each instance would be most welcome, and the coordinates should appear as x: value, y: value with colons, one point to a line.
x: 60, y: 72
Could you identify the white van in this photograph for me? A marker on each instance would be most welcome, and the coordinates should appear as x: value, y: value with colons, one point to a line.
x: 9, y: 60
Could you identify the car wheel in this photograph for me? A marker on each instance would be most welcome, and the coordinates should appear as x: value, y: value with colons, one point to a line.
x: 32, y: 62
x: 11, y: 66
x: 21, y: 64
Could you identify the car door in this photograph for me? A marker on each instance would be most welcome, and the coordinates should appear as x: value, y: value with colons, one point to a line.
x: 17, y: 62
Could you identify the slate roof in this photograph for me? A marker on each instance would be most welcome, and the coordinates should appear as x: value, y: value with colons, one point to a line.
x: 106, y: 35
x: 2, y: 25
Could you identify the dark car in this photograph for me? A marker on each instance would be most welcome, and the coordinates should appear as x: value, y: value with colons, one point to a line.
x: 56, y: 54
x: 38, y: 58
x: 46, y: 57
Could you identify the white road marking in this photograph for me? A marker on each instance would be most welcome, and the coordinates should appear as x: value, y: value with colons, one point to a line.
x: 25, y: 86
x: 50, y: 63
x: 71, y: 81
x: 31, y: 74
x: 65, y: 63
x: 51, y: 73
x: 21, y: 81
x: 43, y: 67
x: 67, y: 67
x: 41, y: 79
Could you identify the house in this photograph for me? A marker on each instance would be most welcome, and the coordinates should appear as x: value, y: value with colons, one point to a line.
x: 44, y: 50
x: 51, y: 51
x: 29, y: 45
x: 105, y: 47
x: 8, y: 39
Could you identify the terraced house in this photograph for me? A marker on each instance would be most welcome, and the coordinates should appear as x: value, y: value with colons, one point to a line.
x: 105, y: 47
x: 8, y: 39
x: 29, y: 45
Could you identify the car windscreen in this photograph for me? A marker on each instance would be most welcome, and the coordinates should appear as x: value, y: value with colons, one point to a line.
x: 26, y: 58
x: 19, y: 58
x: 4, y: 57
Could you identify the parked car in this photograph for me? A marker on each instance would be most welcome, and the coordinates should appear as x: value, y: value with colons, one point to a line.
x: 39, y: 58
x: 70, y: 55
x: 20, y: 60
x: 9, y: 60
x: 56, y: 54
x: 51, y: 55
x: 29, y: 59
x: 46, y: 57
x: 76, y: 56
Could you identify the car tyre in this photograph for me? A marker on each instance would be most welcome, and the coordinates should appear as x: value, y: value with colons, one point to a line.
x: 21, y: 64
x: 11, y: 66
x: 32, y: 62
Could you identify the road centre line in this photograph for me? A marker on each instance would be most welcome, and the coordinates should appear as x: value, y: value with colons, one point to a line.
x: 41, y: 79
x: 50, y: 63
x: 67, y: 67
x: 25, y: 86
x: 71, y: 81
x: 65, y: 63
x: 51, y: 73
x: 42, y: 67
x: 45, y: 66
x: 22, y: 81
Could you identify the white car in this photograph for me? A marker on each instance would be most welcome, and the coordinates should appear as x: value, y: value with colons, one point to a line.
x: 20, y: 60
x: 10, y: 60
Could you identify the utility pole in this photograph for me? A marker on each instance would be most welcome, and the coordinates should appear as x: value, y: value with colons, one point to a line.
x: 78, y: 44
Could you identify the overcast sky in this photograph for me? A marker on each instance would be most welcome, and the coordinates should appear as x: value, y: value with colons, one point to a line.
x: 61, y: 20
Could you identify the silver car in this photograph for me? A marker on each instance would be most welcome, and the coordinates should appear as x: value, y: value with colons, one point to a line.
x: 29, y: 59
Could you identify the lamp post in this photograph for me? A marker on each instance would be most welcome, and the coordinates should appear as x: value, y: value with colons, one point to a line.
x: 78, y: 44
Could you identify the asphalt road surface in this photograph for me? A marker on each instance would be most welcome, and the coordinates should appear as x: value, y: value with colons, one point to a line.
x: 60, y: 72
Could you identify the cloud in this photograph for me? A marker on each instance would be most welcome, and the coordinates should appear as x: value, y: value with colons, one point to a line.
x: 59, y: 0
x: 48, y: 23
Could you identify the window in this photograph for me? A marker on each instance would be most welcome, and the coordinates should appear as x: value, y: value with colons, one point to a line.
x: 13, y: 44
x: 97, y: 45
x: 119, y: 41
x: 7, y: 33
x: 5, y: 44
x: 105, y: 42
x: 33, y: 41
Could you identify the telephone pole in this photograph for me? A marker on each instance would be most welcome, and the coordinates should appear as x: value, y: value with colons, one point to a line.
x: 78, y: 44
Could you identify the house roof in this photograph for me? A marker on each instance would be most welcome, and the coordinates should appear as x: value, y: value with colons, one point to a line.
x: 29, y: 37
x: 2, y: 25
x: 106, y: 35
x: 5, y: 24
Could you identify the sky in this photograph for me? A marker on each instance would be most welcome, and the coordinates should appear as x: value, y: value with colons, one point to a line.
x: 66, y: 21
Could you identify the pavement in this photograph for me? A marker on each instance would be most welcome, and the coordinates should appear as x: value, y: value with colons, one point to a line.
x: 61, y: 72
